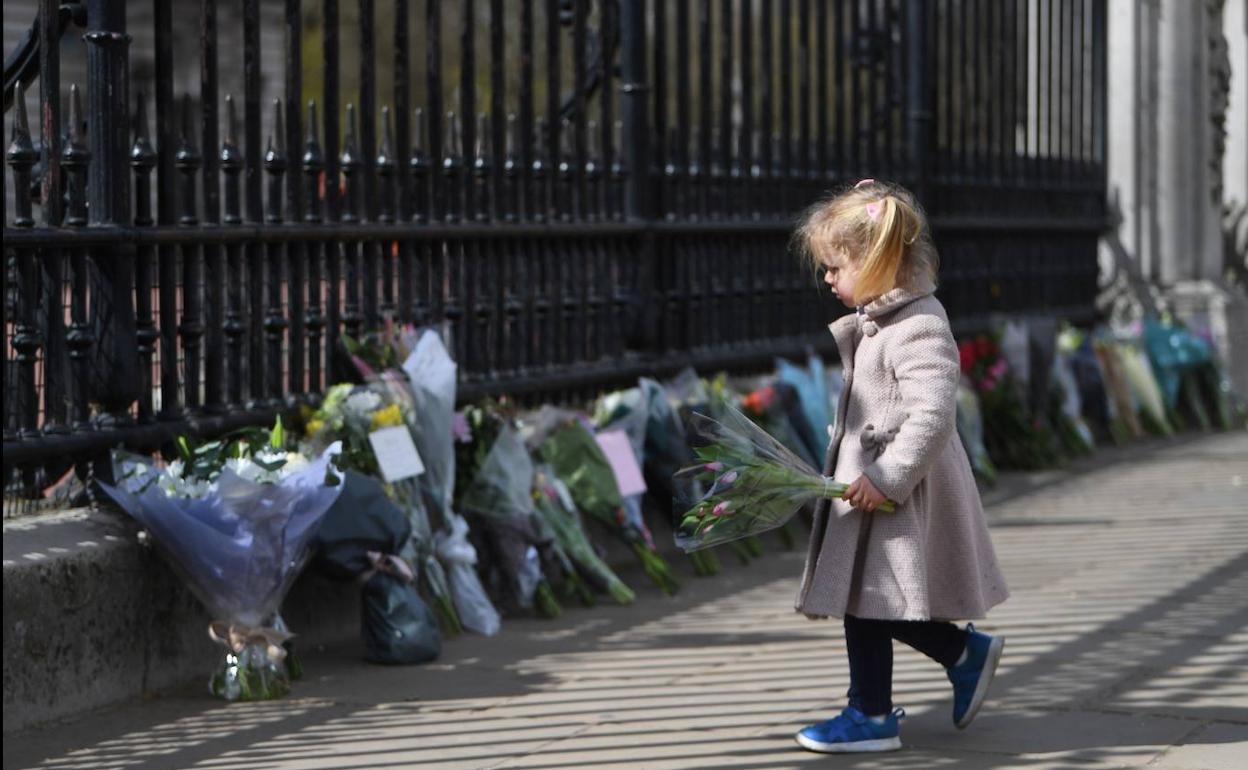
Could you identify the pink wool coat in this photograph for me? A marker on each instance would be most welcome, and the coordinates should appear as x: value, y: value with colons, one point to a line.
x: 932, y: 558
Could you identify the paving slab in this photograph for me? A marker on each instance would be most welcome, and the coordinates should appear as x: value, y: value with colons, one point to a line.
x: 1127, y: 646
x: 1212, y: 746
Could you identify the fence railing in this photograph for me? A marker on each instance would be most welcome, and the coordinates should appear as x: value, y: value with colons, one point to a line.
x: 576, y: 192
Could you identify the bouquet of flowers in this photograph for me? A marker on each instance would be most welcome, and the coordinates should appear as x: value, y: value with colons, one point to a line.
x: 755, y: 483
x: 691, y: 395
x: 1066, y: 404
x: 360, y: 416
x: 500, y: 493
x: 562, y: 441
x: 234, y: 518
x: 970, y: 421
x: 627, y: 411
x: 554, y: 504
x: 1015, y: 439
x: 1145, y: 392
x: 777, y: 409
x: 810, y: 383
x: 432, y: 373
x: 666, y: 452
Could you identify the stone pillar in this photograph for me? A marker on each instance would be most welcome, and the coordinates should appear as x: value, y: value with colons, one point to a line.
x: 1235, y: 161
x: 1192, y: 157
x: 1183, y: 176
x: 1167, y: 169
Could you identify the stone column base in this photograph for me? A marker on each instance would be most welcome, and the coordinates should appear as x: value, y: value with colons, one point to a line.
x: 1220, y: 312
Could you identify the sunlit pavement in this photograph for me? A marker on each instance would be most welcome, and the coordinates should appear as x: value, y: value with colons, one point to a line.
x: 1127, y: 646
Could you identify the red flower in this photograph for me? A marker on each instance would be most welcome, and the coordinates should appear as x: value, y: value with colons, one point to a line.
x: 760, y: 400
x: 984, y: 346
x: 966, y: 353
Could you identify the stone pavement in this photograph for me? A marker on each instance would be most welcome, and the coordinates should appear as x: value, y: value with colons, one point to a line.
x: 1127, y: 647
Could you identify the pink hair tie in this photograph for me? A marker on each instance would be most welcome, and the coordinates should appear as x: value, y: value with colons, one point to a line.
x: 865, y: 181
x: 873, y: 210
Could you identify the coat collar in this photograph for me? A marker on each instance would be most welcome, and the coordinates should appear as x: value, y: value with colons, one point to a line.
x: 897, y: 298
x: 865, y: 320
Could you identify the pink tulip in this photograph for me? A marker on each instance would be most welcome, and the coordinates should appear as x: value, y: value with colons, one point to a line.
x: 720, y: 509
x: 714, y: 466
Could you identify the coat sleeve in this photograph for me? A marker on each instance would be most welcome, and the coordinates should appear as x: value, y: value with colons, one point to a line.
x: 924, y: 358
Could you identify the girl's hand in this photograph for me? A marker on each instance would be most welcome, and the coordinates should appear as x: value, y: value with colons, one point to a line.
x: 862, y: 494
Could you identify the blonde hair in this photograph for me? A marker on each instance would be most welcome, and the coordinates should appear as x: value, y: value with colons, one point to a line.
x: 879, y: 227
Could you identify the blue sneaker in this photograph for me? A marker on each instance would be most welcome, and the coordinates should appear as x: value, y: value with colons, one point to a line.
x: 972, y: 677
x: 853, y: 732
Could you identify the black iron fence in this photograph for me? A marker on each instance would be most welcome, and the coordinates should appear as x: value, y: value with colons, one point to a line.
x: 590, y: 191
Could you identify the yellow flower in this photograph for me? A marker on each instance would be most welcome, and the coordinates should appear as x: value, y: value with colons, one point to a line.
x: 315, y: 427
x: 387, y: 417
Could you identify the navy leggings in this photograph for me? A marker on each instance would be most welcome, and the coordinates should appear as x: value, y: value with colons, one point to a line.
x: 869, y: 644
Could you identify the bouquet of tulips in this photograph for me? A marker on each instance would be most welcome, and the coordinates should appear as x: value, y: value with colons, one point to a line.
x: 554, y: 505
x: 754, y: 483
x: 568, y: 446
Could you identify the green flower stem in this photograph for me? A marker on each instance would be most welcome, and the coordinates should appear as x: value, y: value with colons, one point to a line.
x: 656, y: 569
x: 545, y: 602
x: 576, y: 589
x: 704, y: 563
x: 294, y: 664
x: 787, y: 539
x: 620, y: 592
x: 448, y: 619
x: 711, y: 561
x: 741, y: 551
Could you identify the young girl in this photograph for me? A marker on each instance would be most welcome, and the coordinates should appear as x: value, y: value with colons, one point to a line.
x: 902, y: 575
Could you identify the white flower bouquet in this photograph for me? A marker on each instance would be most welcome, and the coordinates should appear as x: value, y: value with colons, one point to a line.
x: 234, y: 518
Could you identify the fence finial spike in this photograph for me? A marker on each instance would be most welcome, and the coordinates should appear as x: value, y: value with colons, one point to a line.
x: 21, y: 150
x: 20, y: 121
x: 186, y: 119
x: 278, y: 138
x: 513, y: 134
x: 565, y: 139
x: 387, y: 136
x: 483, y: 132
x: 142, y: 156
x: 313, y: 129
x: 418, y: 128
x: 231, y: 121
x: 312, y: 159
x: 452, y: 133
x: 349, y: 138
x: 140, y: 116
x: 75, y: 114
x: 350, y: 155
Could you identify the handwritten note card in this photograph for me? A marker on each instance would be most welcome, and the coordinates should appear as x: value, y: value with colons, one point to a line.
x: 619, y: 452
x: 396, y: 453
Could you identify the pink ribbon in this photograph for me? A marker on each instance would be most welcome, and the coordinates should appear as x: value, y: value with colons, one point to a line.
x: 873, y: 210
x: 237, y: 637
x: 389, y: 564
x: 864, y: 181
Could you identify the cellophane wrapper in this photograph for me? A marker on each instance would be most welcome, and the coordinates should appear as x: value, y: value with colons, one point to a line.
x: 753, y: 483
x: 238, y: 549
x: 432, y: 373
